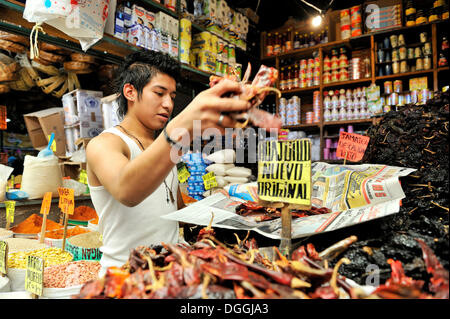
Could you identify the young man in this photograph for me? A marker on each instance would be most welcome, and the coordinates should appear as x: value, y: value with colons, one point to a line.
x: 132, y: 177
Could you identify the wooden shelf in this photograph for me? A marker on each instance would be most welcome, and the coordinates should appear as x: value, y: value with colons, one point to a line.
x: 303, y: 126
x: 403, y: 75
x: 344, y: 83
x: 443, y: 68
x: 362, y: 121
x: 310, y: 88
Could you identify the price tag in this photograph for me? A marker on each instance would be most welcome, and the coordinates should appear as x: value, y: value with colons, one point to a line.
x: 83, y: 177
x: 284, y: 171
x: 3, y: 257
x: 53, y: 146
x: 10, y: 208
x: 34, y: 277
x: 183, y: 173
x: 66, y: 200
x: 352, y: 146
x: 209, y: 180
x: 46, y: 203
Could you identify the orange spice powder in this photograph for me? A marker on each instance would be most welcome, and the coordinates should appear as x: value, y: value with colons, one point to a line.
x: 59, y: 233
x: 33, y: 225
x: 84, y: 213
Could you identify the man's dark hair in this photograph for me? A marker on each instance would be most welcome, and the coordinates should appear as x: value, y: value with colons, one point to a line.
x: 138, y: 69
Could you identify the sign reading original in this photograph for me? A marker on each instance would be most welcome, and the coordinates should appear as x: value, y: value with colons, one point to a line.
x: 284, y: 171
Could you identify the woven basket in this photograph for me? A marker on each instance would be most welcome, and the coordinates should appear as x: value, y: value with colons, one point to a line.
x: 15, y: 38
x: 51, y: 57
x: 80, y: 57
x: 12, y: 46
x: 6, y: 74
x: 48, y: 69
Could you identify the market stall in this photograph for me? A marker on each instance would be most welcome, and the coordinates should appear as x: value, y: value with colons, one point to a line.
x: 346, y: 199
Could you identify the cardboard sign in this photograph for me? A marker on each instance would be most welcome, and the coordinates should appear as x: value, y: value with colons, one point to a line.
x: 284, y: 171
x: 183, y: 173
x: 10, y: 206
x: 352, y: 146
x: 34, y: 277
x: 66, y: 200
x: 209, y: 180
x: 3, y: 257
x: 46, y: 203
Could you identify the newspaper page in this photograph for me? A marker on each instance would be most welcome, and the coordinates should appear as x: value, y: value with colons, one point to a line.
x: 354, y: 194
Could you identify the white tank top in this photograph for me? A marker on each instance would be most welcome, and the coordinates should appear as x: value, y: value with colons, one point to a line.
x: 124, y: 228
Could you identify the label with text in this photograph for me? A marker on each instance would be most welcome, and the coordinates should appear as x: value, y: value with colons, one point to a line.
x: 3, y: 257
x: 183, y: 173
x: 284, y: 171
x: 209, y: 180
x: 66, y: 200
x: 10, y: 206
x: 351, y: 146
x: 34, y: 277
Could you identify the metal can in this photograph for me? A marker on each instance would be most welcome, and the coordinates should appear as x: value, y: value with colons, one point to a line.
x: 326, y: 77
x: 334, y: 76
x: 398, y: 86
x: 419, y: 64
x: 388, y: 87
x: 403, y: 67
x: 414, y: 97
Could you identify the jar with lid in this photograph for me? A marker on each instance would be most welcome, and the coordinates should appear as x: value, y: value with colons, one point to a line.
x: 326, y: 77
x: 342, y: 99
x: 269, y: 45
x: 427, y: 63
x: 343, y: 74
x: 419, y: 64
x: 348, y: 94
x: 334, y: 76
x: 327, y: 115
x: 327, y: 63
x: 401, y: 40
x: 420, y: 17
x: 334, y: 114
x: 342, y: 114
x: 410, y: 8
x: 334, y: 100
x: 343, y: 60
x: 433, y: 14
x: 356, y: 103
x: 326, y: 101
x: 334, y: 60
x: 395, y: 67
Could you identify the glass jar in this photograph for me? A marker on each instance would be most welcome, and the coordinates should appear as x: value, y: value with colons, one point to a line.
x: 403, y: 67
x: 427, y: 63
x: 401, y: 40
x: 402, y: 54
x: 395, y: 55
x: 395, y: 67
x: 419, y: 64
x: 394, y: 40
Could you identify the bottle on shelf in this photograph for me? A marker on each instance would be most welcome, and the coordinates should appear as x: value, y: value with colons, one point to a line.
x: 325, y: 35
x: 283, y: 42
x: 277, y: 44
x: 296, y: 82
x: 269, y: 46
x: 312, y: 41
x: 282, y: 80
x: 296, y: 41
x: 288, y: 42
x: 289, y: 79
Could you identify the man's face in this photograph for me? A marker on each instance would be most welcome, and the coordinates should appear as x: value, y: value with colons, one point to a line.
x: 155, y: 105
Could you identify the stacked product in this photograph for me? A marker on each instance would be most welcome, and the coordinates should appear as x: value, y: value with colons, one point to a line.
x: 395, y: 56
x: 394, y: 95
x: 345, y: 24
x: 439, y: 11
x: 360, y: 66
x: 197, y: 168
x: 336, y: 68
x: 342, y: 105
x: 290, y: 110
x: 204, y: 49
x: 225, y: 170
x: 304, y: 74
x: 152, y: 31
x: 356, y: 21
x: 185, y: 40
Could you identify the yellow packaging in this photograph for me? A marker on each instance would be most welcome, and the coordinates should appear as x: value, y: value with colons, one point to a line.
x: 185, y: 49
x: 185, y: 29
x: 214, y: 44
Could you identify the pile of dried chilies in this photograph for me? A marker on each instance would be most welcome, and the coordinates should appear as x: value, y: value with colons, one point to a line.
x: 210, y: 269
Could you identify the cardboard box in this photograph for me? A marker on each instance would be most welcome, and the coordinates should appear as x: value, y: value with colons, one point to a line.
x: 40, y: 126
x: 89, y: 111
x: 71, y: 169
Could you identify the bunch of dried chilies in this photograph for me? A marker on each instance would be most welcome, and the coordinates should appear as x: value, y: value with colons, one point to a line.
x: 211, y: 269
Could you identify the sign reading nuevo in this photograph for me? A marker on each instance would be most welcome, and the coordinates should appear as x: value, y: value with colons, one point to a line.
x: 284, y: 171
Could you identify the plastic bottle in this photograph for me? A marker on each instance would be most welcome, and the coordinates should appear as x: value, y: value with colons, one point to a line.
x: 282, y: 80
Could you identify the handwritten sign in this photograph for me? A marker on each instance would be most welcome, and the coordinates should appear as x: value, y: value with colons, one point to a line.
x: 352, y: 146
x: 46, y: 203
x: 3, y: 257
x: 34, y: 277
x: 10, y: 206
x: 284, y: 171
x: 209, y: 180
x: 183, y: 173
x: 66, y: 200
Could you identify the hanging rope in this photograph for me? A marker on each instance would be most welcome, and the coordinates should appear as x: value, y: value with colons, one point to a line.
x: 34, y: 50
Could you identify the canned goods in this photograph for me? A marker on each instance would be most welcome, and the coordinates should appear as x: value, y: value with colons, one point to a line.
x: 414, y: 97
x: 326, y: 64
x: 398, y: 86
x: 388, y: 87
x: 326, y: 77
x: 303, y: 63
x: 403, y: 67
x: 317, y: 62
x: 419, y: 64
x: 393, y: 99
x: 334, y: 76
